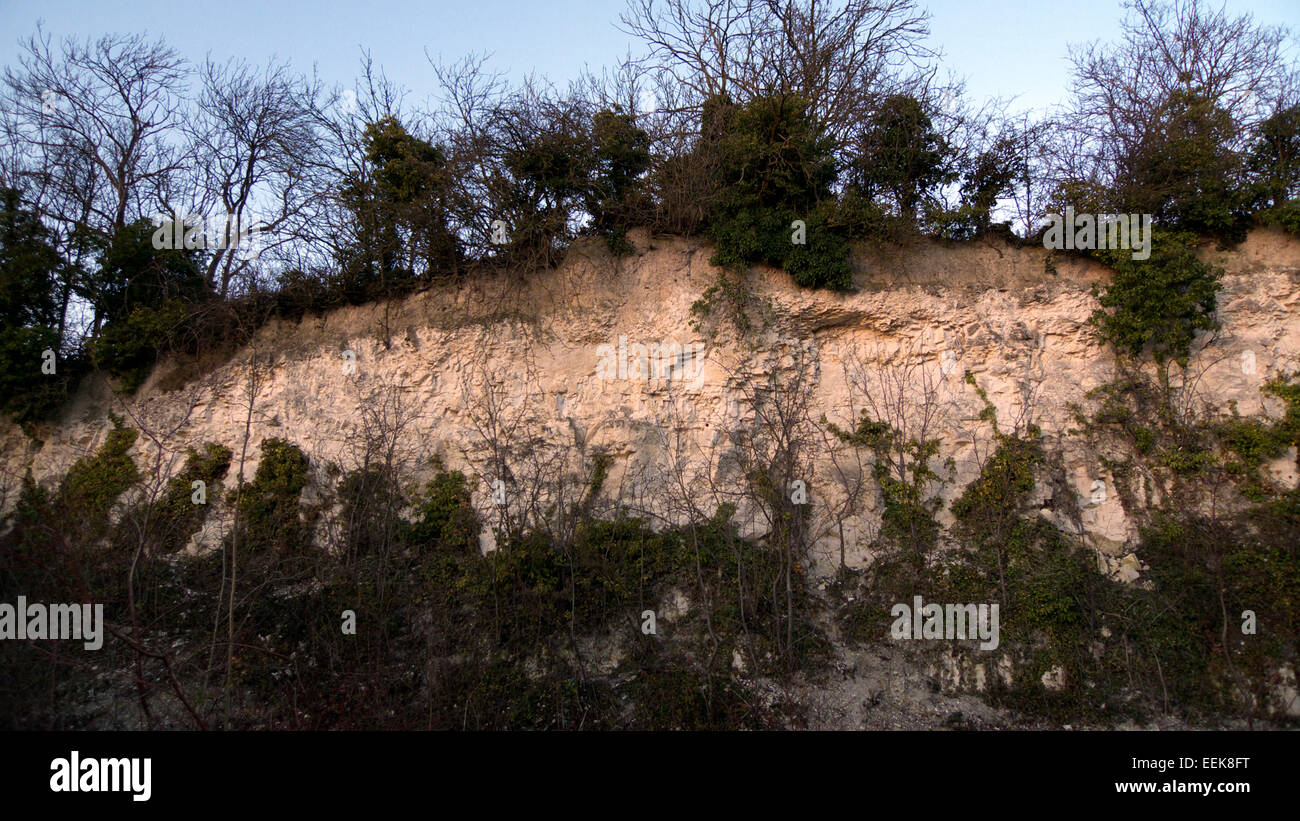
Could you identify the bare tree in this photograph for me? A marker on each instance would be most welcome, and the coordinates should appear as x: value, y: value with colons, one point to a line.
x: 842, y: 57
x: 760, y: 466
x: 1167, y: 46
x: 93, y: 125
x: 381, y: 454
x: 897, y: 394
x: 252, y: 140
x: 160, y: 426
x: 328, y: 227
x: 110, y: 104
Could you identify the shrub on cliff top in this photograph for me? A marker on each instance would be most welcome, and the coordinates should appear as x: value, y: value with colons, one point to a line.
x: 776, y: 165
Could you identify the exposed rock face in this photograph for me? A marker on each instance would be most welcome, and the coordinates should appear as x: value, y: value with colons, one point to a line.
x: 437, y: 361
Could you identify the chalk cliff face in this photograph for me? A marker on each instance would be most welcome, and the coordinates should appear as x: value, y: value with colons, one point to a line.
x: 553, y: 363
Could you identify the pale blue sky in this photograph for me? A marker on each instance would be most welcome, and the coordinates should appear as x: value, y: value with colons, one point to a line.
x: 1003, y: 47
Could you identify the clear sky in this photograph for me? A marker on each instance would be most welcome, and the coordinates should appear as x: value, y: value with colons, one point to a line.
x: 1003, y: 47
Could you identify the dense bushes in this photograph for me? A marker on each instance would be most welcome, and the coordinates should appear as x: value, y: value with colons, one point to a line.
x: 1274, y: 161
x: 1174, y: 643
x: 381, y: 200
x: 129, y: 347
x: 617, y: 198
x: 444, y: 635
x: 1205, y: 567
x: 179, y: 512
x: 93, y: 483
x: 1286, y: 217
x: 400, y: 215
x: 1189, y: 178
x: 546, y: 630
x: 901, y: 157
x: 268, y: 505
x: 30, y: 394
x: 775, y: 166
x: 1158, y: 305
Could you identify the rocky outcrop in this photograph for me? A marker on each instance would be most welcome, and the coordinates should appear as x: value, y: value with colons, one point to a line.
x: 537, y: 355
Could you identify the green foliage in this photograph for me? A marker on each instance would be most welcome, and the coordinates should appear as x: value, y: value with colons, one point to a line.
x: 30, y: 395
x: 94, y: 483
x: 729, y: 296
x: 1194, y: 450
x: 1143, y: 438
x: 145, y: 294
x: 1157, y: 305
x: 32, y: 530
x: 554, y: 161
x: 176, y: 516
x: 1274, y: 161
x: 681, y: 699
x: 1085, y: 196
x: 902, y: 472
x: 1007, y: 556
x: 1180, y: 630
x: 902, y: 157
x: 268, y: 507
x: 28, y: 263
x: 1286, y: 217
x: 616, y: 569
x: 28, y: 315
x: 496, y: 629
x: 1046, y: 588
x: 775, y: 154
x: 371, y: 501
x: 1286, y: 387
x: 1205, y: 573
x: 617, y: 198
x: 1004, y: 481
x: 128, y: 347
x: 1186, y: 174
x: 400, y: 214
x: 406, y: 168
x: 1021, y: 561
x: 406, y: 581
x: 546, y: 160
x: 992, y: 174
x: 134, y: 274
x: 863, y: 218
x: 1170, y: 645
x: 444, y: 517
x: 823, y: 260
x: 1254, y: 441
x: 776, y: 166
x: 985, y: 178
